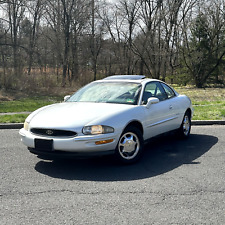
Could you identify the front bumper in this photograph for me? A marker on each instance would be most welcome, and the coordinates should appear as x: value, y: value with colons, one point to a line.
x: 43, y: 154
x: 71, y: 146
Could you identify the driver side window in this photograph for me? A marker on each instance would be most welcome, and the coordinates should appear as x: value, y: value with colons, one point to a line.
x: 153, y: 89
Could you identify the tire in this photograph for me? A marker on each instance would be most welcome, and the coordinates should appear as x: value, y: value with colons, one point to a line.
x: 130, y: 145
x: 185, y: 127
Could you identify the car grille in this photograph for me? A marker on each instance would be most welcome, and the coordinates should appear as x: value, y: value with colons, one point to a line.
x: 53, y: 132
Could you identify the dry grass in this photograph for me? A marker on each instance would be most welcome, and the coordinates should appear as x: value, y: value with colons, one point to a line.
x: 208, y: 103
x: 206, y: 94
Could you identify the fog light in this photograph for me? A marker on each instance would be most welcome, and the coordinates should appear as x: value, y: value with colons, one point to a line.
x: 103, y: 142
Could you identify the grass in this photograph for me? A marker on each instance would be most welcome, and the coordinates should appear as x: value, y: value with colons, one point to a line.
x: 23, y: 105
x: 209, y: 104
x: 17, y: 118
x: 209, y: 112
x: 27, y: 104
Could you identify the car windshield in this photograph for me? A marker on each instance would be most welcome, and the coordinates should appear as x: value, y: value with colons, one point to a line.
x: 110, y: 92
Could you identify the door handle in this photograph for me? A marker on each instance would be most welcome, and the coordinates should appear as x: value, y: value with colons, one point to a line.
x: 171, y: 107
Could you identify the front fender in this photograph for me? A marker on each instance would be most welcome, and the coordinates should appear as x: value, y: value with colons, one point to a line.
x: 120, y: 120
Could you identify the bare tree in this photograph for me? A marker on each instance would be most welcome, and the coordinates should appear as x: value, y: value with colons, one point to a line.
x: 35, y: 9
x: 80, y: 20
x: 53, y: 31
x: 174, y: 39
x: 121, y: 22
x: 96, y: 35
x: 156, y: 42
x: 66, y: 24
x: 67, y: 19
x: 130, y: 10
x: 15, y: 10
x: 113, y: 21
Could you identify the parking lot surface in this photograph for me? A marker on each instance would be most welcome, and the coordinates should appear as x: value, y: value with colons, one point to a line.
x: 176, y: 182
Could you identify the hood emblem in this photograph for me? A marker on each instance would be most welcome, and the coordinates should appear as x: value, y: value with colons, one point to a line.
x: 49, y: 132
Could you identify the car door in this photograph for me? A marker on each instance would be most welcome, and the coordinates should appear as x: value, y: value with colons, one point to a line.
x: 174, y: 106
x: 157, y: 116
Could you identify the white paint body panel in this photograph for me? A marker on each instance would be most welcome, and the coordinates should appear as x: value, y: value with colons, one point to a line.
x: 161, y: 117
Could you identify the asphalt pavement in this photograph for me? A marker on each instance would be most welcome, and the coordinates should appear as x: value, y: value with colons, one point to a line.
x: 176, y: 182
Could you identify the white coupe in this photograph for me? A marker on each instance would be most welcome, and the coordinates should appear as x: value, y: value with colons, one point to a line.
x: 115, y: 115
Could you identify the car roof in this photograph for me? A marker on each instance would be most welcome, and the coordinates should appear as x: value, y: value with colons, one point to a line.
x: 125, y: 77
x: 128, y: 78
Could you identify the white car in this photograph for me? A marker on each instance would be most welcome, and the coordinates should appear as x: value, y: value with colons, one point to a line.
x: 115, y: 115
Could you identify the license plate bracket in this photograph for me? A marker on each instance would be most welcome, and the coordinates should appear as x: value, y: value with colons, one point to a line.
x: 43, y: 144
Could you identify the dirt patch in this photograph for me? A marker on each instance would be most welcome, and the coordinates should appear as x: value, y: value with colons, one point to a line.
x: 5, y: 97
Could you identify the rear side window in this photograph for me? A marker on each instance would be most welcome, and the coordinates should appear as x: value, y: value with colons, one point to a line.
x: 170, y: 93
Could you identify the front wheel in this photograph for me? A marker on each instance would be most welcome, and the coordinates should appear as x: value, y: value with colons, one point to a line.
x: 130, y: 145
x: 185, y: 128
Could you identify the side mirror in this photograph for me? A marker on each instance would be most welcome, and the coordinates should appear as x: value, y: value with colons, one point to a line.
x: 66, y: 98
x: 151, y: 101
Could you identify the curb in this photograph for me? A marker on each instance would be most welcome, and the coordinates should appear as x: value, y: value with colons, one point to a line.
x: 194, y: 123
x: 208, y: 122
x: 11, y: 126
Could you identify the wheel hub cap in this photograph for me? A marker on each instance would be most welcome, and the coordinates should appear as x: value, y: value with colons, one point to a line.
x: 129, y: 145
x: 186, y: 125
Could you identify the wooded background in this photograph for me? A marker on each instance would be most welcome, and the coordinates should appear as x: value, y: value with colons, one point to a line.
x: 63, y: 42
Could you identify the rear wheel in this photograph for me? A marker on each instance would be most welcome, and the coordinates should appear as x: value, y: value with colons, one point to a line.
x: 185, y: 128
x: 130, y: 145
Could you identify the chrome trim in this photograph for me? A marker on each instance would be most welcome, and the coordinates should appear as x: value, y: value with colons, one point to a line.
x: 52, y: 133
x: 162, y: 121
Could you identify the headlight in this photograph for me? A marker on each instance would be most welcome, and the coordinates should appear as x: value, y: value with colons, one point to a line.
x: 26, y: 126
x: 97, y: 129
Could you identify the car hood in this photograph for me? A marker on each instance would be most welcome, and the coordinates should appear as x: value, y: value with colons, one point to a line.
x: 74, y: 114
